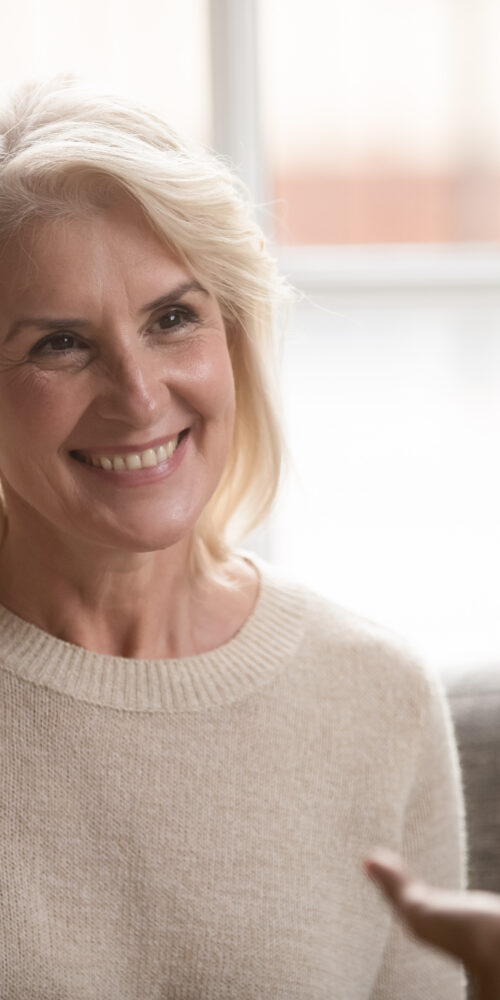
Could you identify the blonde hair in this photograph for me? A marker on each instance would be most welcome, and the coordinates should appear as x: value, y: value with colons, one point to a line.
x: 66, y: 148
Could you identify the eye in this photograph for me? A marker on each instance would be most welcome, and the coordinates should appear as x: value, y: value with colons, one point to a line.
x: 60, y: 351
x: 60, y: 343
x: 176, y: 318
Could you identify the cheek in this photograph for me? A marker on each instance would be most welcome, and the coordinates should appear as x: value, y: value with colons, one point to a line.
x: 212, y: 384
x: 34, y: 410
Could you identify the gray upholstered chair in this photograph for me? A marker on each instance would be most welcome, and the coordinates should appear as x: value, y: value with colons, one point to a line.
x: 474, y: 697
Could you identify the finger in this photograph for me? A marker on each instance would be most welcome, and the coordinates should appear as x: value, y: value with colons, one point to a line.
x: 387, y: 870
x: 464, y: 924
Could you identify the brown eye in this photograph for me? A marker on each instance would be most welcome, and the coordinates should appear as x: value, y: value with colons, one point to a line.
x: 57, y: 344
x: 64, y: 342
x: 175, y: 319
x: 169, y: 319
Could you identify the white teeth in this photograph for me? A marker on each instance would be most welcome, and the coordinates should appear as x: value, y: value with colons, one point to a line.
x: 149, y: 459
x: 144, y: 460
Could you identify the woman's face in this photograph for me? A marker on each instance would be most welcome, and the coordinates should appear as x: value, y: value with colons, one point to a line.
x: 111, y: 356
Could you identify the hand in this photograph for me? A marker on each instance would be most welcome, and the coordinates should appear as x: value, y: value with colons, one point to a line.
x: 463, y: 924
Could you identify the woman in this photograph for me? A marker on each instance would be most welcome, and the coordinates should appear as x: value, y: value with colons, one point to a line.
x: 196, y: 752
x: 463, y: 924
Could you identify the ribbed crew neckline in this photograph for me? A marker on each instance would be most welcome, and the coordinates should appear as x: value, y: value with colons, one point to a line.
x: 253, y: 657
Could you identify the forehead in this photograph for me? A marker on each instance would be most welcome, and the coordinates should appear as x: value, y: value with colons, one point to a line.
x: 84, y: 252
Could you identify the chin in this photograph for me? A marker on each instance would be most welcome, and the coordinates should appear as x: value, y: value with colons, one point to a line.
x: 158, y: 534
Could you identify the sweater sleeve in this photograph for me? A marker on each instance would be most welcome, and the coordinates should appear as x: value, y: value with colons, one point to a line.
x: 433, y: 845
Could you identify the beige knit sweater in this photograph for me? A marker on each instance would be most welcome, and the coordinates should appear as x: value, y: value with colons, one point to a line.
x: 194, y: 829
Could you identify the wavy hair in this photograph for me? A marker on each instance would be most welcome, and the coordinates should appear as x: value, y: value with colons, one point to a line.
x: 65, y: 149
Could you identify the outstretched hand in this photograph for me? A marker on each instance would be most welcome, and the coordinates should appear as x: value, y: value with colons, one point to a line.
x: 463, y: 924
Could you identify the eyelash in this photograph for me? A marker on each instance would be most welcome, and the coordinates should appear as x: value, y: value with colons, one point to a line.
x: 185, y: 314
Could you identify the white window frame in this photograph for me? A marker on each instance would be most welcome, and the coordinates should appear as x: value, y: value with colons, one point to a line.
x: 237, y: 134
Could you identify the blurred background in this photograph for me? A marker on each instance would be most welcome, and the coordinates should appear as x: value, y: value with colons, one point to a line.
x: 368, y: 132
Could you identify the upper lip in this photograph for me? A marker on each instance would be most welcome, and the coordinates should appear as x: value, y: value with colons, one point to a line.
x: 127, y: 449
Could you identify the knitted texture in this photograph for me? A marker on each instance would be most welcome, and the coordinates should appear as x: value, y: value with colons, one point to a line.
x: 194, y: 829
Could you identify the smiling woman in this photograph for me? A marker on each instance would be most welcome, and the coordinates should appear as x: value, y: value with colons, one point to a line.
x: 196, y: 753
x: 221, y: 254
x: 90, y: 404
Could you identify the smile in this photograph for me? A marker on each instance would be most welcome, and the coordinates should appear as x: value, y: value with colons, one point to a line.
x: 132, y: 461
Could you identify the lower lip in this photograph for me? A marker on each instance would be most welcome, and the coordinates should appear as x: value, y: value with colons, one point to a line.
x: 139, y: 477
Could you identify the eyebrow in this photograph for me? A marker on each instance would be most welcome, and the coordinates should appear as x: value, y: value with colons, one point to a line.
x: 46, y: 323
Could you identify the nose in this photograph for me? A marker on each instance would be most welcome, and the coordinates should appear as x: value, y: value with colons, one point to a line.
x: 135, y: 389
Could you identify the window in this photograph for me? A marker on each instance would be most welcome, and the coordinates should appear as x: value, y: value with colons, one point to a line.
x: 380, y: 131
x: 381, y: 119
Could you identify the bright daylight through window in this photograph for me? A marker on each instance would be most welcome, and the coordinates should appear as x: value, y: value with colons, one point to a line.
x: 383, y: 160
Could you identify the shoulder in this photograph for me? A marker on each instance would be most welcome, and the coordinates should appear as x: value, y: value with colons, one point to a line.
x: 350, y: 658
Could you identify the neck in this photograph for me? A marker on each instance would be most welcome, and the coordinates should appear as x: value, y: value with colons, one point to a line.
x: 143, y: 605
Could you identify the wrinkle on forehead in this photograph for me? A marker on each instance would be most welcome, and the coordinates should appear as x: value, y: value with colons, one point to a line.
x: 21, y: 249
x: 75, y: 266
